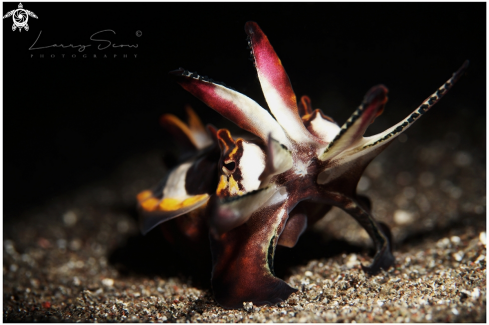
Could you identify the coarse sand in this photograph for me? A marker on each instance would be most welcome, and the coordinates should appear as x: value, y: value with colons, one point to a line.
x: 80, y: 257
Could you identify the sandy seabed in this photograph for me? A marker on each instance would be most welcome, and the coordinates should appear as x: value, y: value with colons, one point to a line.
x: 80, y: 257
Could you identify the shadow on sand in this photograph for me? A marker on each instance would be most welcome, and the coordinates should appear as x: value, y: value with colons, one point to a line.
x: 153, y: 255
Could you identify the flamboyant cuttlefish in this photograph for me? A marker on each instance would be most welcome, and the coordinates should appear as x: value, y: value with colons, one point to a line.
x: 255, y: 195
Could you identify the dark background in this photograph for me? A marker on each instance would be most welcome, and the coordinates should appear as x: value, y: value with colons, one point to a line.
x: 73, y: 120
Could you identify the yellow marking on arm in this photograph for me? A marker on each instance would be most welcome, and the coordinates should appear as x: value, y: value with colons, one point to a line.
x: 233, y: 152
x: 222, y: 184
x: 150, y: 204
x: 233, y: 186
x: 144, y: 195
x: 194, y: 199
x: 171, y: 204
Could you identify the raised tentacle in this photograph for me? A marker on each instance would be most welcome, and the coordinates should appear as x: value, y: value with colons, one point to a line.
x: 236, y: 107
x: 321, y: 126
x: 394, y: 131
x: 375, y: 142
x: 354, y: 128
x: 276, y: 85
x: 305, y: 106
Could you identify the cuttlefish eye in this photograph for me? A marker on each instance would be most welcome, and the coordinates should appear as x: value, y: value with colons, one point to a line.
x: 230, y: 165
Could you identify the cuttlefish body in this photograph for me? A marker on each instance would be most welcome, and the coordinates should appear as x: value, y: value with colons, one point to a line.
x: 255, y: 195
